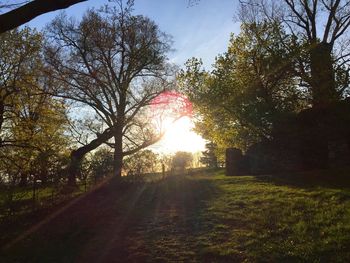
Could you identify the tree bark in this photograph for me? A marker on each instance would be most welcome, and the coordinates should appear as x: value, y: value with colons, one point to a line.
x: 77, y: 155
x: 322, y: 75
x: 2, y: 112
x: 27, y: 12
x: 118, y: 153
x: 23, y: 179
x: 76, y: 158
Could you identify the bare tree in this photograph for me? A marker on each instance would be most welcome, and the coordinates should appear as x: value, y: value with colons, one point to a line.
x: 24, y: 11
x: 321, y: 24
x: 114, y: 63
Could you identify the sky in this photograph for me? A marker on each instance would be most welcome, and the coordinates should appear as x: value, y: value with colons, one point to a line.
x: 201, y: 30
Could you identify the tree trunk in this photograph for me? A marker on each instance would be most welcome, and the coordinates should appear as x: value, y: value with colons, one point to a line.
x: 322, y: 75
x: 23, y: 179
x: 2, y: 112
x: 77, y: 155
x: 76, y: 158
x: 118, y: 154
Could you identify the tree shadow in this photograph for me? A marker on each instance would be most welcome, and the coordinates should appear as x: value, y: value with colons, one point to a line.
x: 121, y: 222
x: 331, y: 179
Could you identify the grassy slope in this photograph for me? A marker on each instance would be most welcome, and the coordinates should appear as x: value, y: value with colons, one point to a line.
x: 200, y: 218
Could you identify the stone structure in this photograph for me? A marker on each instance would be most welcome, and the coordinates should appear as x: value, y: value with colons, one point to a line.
x: 313, y: 139
x: 236, y: 162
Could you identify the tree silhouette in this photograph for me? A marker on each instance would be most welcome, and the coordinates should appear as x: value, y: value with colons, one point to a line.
x: 114, y: 63
x: 209, y: 156
x: 303, y: 20
x: 181, y: 160
x: 30, y: 10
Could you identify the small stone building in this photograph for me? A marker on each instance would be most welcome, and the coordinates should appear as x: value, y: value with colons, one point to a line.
x: 313, y: 139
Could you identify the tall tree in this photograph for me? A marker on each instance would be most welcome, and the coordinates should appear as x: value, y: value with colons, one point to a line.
x: 304, y: 19
x: 115, y: 64
x: 249, y: 90
x: 32, y: 123
x: 39, y: 124
x: 209, y: 155
x: 19, y: 66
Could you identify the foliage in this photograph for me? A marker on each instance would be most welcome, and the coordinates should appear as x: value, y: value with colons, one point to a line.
x: 145, y: 161
x: 251, y: 87
x: 321, y: 27
x: 165, y: 161
x: 41, y: 124
x: 181, y: 160
x: 34, y: 143
x: 19, y: 68
x: 209, y: 155
x: 100, y: 164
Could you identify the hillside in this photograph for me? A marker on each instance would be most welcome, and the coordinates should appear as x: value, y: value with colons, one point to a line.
x: 202, y: 218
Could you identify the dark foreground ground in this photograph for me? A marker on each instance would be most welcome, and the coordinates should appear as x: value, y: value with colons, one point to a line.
x: 202, y: 218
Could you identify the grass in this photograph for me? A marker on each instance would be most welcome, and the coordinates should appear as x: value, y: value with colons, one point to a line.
x: 20, y: 200
x: 201, y: 218
x: 257, y: 219
x: 18, y: 209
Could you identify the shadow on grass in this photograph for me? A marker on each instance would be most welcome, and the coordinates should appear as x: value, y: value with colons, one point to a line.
x: 331, y: 179
x: 121, y: 222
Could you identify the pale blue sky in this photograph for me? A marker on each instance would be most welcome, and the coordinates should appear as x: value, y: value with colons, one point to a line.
x: 202, y: 30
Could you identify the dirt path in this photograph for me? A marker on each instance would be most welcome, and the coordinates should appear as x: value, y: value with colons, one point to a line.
x: 148, y: 222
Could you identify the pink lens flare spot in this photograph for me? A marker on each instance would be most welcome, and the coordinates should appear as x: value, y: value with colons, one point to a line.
x: 173, y: 102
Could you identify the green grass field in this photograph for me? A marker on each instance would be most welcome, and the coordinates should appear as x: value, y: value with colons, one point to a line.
x: 201, y: 218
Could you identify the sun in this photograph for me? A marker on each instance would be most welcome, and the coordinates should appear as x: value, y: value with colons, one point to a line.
x: 172, y: 113
x: 179, y: 136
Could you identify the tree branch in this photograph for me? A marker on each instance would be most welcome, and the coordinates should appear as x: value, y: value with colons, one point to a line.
x: 27, y: 12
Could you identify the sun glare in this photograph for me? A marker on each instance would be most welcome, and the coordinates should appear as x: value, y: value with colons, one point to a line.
x: 172, y: 113
x: 180, y: 137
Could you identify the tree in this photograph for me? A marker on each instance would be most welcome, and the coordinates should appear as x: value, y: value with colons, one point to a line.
x: 23, y: 13
x: 101, y: 163
x: 32, y: 123
x: 39, y: 124
x: 304, y: 19
x: 165, y: 161
x: 209, y: 156
x: 114, y: 63
x: 142, y: 162
x: 251, y: 88
x: 19, y: 67
x: 181, y: 160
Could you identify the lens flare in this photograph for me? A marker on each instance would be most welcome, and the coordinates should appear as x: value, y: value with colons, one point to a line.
x: 173, y: 103
x: 172, y: 111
